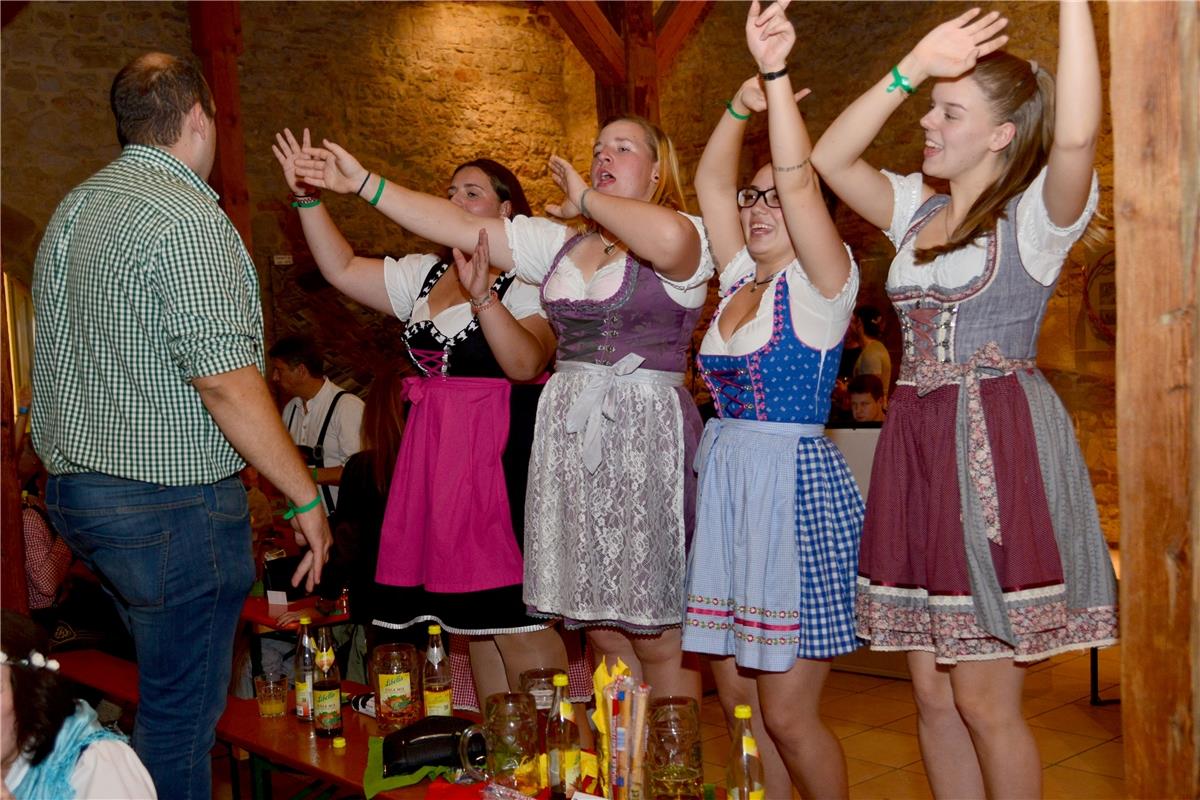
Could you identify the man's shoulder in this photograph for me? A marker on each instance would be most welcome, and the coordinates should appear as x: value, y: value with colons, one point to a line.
x: 143, y: 186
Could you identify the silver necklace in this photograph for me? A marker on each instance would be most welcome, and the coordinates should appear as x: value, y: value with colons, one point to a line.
x: 608, y: 246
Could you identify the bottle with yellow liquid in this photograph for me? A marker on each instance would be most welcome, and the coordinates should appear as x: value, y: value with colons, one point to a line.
x: 327, y: 688
x: 744, y: 775
x: 435, y: 676
x: 562, y: 743
x: 305, y: 666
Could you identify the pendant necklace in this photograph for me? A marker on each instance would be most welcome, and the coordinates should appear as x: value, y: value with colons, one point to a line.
x: 768, y: 279
x: 608, y: 246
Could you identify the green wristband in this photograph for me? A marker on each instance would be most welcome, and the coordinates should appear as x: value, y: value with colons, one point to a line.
x: 313, y: 203
x: 734, y: 114
x: 294, y: 510
x: 378, y: 192
x: 900, y: 82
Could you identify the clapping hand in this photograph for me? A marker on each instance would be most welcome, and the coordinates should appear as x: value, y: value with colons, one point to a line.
x: 287, y: 150
x: 568, y: 179
x: 751, y: 94
x: 473, y: 272
x: 953, y: 47
x: 770, y: 35
x: 330, y: 167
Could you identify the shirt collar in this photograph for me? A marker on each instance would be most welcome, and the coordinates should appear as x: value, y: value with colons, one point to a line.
x: 157, y: 157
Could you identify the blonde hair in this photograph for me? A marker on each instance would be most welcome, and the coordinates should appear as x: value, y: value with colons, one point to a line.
x: 669, y: 191
x: 1021, y: 93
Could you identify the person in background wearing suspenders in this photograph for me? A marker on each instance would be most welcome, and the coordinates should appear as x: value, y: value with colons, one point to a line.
x: 323, y: 419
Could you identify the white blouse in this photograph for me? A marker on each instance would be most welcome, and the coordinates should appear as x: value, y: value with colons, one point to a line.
x: 105, y: 769
x: 1042, y: 245
x: 405, y: 276
x: 535, y: 241
x: 820, y: 322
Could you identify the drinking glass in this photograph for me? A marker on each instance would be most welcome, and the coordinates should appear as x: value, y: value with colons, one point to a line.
x: 510, y: 732
x: 674, y: 765
x: 271, y: 691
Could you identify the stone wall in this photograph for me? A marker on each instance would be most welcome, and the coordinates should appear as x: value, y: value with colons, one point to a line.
x: 415, y: 88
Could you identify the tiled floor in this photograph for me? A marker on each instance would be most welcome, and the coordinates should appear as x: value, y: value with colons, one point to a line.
x: 875, y: 719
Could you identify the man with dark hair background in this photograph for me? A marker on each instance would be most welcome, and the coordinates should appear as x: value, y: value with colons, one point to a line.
x: 148, y: 393
x: 321, y: 417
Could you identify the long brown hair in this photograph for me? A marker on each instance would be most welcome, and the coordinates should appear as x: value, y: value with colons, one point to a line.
x: 1016, y: 94
x: 669, y: 191
x: 382, y: 426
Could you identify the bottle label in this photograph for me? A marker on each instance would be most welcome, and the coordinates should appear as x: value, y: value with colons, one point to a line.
x: 304, y: 699
x: 437, y: 703
x: 542, y: 698
x: 754, y: 794
x: 327, y: 709
x: 749, y: 746
x: 395, y: 691
x: 325, y: 659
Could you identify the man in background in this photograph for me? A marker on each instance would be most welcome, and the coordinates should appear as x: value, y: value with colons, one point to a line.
x: 148, y: 393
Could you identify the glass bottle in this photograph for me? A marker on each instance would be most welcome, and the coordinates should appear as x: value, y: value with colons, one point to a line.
x: 327, y: 687
x: 305, y: 665
x: 435, y: 676
x: 562, y: 742
x: 744, y: 775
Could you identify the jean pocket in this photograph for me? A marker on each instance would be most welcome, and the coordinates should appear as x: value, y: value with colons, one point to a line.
x: 230, y: 503
x: 135, y: 566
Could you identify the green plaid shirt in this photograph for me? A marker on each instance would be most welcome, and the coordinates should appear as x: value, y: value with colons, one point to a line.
x: 141, y: 285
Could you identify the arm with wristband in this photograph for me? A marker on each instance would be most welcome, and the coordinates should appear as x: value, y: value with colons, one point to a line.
x: 717, y: 173
x: 947, y: 51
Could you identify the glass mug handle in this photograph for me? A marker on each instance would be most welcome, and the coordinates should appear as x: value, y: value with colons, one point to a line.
x: 464, y: 750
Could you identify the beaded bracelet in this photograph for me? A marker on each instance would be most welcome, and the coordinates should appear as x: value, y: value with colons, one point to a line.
x: 485, y: 303
x: 293, y: 510
x: 306, y: 202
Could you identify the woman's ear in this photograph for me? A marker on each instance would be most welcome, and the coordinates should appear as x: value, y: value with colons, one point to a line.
x: 1001, y: 136
x: 506, y: 209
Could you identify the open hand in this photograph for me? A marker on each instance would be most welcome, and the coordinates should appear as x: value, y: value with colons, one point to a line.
x: 330, y: 167
x: 567, y: 178
x: 952, y: 48
x: 473, y: 272
x: 770, y: 35
x: 312, y: 529
x: 287, y: 150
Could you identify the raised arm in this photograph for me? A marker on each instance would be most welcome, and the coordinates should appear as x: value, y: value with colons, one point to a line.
x: 657, y: 234
x: 1077, y: 108
x: 360, y: 279
x: 948, y: 51
x: 430, y: 217
x: 716, y: 174
x: 770, y: 37
x: 522, y: 347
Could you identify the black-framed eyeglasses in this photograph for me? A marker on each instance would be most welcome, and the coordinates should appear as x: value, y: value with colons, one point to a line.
x: 746, y: 198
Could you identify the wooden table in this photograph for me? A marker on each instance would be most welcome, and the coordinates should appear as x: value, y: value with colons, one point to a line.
x: 286, y: 741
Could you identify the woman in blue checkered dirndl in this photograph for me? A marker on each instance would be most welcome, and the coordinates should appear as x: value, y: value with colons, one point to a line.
x: 772, y: 568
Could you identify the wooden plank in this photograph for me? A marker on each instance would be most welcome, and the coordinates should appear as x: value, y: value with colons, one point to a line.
x: 1154, y: 93
x: 12, y: 544
x: 675, y: 20
x: 217, y: 42
x: 641, y: 85
x: 595, y: 38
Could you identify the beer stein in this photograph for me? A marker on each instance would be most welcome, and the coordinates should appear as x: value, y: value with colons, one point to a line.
x: 509, y: 731
x: 674, y: 765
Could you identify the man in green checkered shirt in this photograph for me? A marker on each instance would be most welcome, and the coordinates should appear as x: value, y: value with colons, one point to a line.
x: 148, y: 392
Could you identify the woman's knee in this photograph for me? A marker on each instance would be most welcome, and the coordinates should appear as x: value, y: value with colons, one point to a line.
x: 662, y: 649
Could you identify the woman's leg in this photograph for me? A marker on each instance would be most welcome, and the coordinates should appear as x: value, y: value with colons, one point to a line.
x: 946, y: 747
x: 790, y: 702
x: 737, y: 688
x: 487, y: 667
x: 535, y: 650
x: 988, y: 696
x: 663, y: 666
x: 609, y: 644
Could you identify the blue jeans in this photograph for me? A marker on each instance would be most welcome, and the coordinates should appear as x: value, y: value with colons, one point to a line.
x: 178, y: 560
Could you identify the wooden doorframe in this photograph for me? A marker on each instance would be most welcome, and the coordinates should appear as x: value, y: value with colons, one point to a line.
x: 1155, y: 96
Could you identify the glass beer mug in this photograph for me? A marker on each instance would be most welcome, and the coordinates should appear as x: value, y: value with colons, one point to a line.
x: 510, y: 732
x: 674, y: 765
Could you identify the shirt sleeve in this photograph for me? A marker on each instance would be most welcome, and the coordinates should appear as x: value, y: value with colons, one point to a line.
x: 523, y: 300
x: 349, y: 432
x: 47, y: 557
x: 906, y: 199
x: 704, y: 268
x: 1042, y: 244
x: 738, y: 267
x: 110, y: 768
x: 818, y: 320
x: 403, y: 278
x: 208, y: 288
x: 534, y: 241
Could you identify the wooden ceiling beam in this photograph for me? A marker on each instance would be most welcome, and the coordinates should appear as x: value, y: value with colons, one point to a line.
x: 674, y: 21
x: 595, y: 38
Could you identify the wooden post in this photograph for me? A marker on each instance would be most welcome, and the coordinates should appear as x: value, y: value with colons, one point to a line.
x: 217, y: 42
x: 12, y: 539
x: 1155, y: 98
x: 641, y: 63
